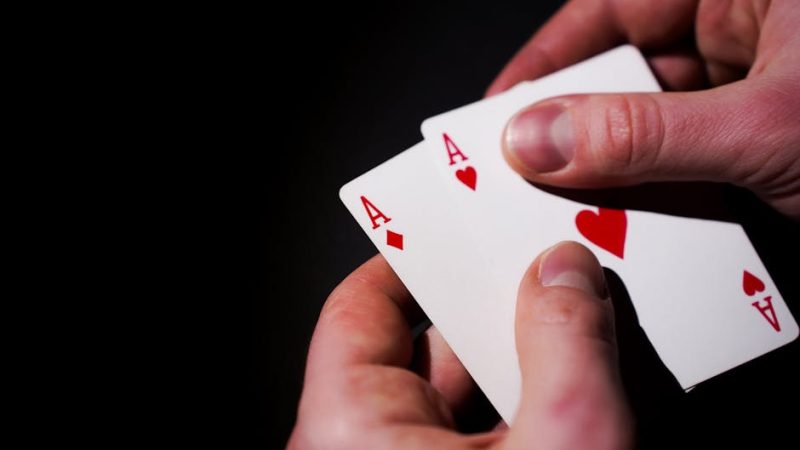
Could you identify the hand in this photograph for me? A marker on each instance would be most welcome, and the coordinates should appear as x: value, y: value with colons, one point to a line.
x: 745, y: 131
x: 359, y: 392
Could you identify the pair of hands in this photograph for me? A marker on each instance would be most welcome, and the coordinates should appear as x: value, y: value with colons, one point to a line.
x: 359, y: 391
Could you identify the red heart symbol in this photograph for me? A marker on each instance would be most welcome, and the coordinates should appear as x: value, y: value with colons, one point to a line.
x: 606, y: 228
x: 468, y: 176
x: 751, y: 284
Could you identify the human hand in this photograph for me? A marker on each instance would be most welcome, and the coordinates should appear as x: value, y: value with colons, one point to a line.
x: 360, y: 393
x: 745, y: 130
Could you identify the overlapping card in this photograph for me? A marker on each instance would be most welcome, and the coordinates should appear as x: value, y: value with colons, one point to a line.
x: 460, y: 228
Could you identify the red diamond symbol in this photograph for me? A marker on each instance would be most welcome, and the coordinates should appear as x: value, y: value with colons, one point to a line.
x: 394, y: 239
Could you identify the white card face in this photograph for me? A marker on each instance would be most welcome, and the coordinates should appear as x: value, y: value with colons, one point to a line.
x: 686, y: 277
x: 441, y: 267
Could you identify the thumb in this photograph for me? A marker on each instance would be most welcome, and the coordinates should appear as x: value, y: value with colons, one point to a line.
x: 571, y: 393
x: 737, y: 133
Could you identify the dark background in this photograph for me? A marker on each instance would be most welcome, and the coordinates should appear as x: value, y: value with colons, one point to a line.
x: 346, y: 90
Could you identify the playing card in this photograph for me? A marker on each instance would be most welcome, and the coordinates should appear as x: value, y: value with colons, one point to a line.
x: 460, y: 228
x: 406, y: 211
x: 686, y: 276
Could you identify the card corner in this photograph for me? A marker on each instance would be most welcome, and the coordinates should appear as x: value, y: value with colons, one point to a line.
x: 426, y: 125
x: 344, y: 192
x: 793, y: 332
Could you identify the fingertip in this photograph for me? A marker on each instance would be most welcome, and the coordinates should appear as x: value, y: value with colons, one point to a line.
x: 567, y: 264
x: 571, y: 264
x: 493, y: 89
x: 539, y: 139
x: 502, y: 83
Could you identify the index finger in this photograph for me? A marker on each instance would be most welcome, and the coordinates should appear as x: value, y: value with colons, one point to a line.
x: 578, y: 30
x: 357, y: 390
x: 584, y: 28
x: 364, y: 321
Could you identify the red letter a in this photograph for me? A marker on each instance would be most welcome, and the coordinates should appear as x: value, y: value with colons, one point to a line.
x: 452, y: 150
x: 374, y: 213
x: 768, y: 312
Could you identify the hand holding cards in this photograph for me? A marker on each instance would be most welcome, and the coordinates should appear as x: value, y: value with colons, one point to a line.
x: 460, y: 228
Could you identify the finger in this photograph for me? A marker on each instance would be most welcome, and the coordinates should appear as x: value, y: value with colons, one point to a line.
x: 548, y: 50
x: 571, y: 393
x: 584, y: 28
x: 742, y: 133
x: 436, y: 362
x: 364, y: 321
x: 356, y: 383
x: 679, y: 70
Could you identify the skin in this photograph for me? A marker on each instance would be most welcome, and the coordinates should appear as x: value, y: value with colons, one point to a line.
x: 365, y: 386
x: 742, y: 126
x: 361, y: 391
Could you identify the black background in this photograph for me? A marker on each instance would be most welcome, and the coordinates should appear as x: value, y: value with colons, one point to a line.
x: 346, y: 90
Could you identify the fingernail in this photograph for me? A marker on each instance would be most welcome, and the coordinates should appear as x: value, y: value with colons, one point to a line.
x: 541, y: 138
x: 572, y: 265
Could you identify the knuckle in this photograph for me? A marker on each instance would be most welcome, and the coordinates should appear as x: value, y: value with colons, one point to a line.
x: 328, y: 431
x: 554, y: 309
x: 317, y: 427
x: 361, y: 380
x: 392, y: 394
x: 627, y: 131
x: 338, y: 308
x: 578, y: 313
x: 343, y: 305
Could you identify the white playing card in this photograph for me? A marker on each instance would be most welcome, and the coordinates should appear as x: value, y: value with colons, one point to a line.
x: 439, y: 264
x: 685, y: 276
